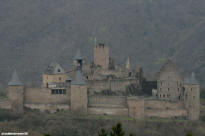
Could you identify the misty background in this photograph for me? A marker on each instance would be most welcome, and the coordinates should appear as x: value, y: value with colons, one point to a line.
x: 33, y: 33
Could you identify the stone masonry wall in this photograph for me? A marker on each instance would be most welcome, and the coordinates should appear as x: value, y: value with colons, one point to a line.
x: 79, y: 98
x: 5, y: 104
x: 44, y: 96
x: 101, y: 56
x: 113, y: 85
x: 53, y: 78
x: 48, y: 107
x: 107, y: 101
x: 140, y: 108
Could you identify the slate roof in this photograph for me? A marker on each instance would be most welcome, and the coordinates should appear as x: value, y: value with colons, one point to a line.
x: 78, y: 79
x: 54, y: 68
x: 78, y: 55
x: 15, y: 81
x: 191, y: 80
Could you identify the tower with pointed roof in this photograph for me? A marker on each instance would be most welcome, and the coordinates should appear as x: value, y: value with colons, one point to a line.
x: 78, y: 60
x: 16, y: 93
x: 79, y: 97
x: 192, y: 97
x: 128, y: 64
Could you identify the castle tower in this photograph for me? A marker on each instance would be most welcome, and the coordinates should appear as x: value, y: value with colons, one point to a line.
x: 16, y: 93
x: 128, y: 64
x: 192, y: 97
x: 101, y: 56
x: 169, y: 82
x: 79, y: 98
x: 54, y: 73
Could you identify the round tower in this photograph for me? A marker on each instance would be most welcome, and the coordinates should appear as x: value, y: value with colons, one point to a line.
x: 16, y: 93
x: 79, y: 98
x: 192, y: 97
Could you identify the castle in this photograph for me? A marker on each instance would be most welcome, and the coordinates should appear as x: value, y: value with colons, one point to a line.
x: 105, y: 88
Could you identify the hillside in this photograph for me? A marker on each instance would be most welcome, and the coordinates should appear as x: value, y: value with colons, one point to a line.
x: 34, y: 33
x: 66, y: 124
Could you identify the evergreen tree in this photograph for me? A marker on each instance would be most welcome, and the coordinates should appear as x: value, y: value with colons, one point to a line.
x: 117, y: 130
x: 102, y: 132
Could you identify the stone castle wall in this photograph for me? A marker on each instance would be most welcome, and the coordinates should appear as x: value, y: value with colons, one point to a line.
x: 58, y: 78
x: 79, y: 98
x: 5, y: 104
x: 107, y: 101
x: 192, y: 100
x: 44, y: 96
x: 140, y: 108
x: 16, y: 98
x: 48, y: 107
x: 113, y: 85
x: 107, y: 105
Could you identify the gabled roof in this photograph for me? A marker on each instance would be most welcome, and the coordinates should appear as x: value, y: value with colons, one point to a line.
x: 78, y: 79
x: 78, y: 55
x: 54, y: 68
x: 191, y: 80
x: 15, y: 81
x: 168, y: 66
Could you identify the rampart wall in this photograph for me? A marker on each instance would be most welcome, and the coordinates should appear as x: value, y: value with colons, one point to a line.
x: 48, y: 107
x: 110, y: 105
x: 5, y: 104
x: 140, y: 108
x: 113, y: 85
x: 44, y: 96
x: 107, y: 101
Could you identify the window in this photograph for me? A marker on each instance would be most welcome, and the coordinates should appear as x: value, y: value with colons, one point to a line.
x: 178, y: 89
x: 161, y: 83
x: 179, y: 97
x: 163, y: 95
x: 168, y: 89
x: 59, y: 70
x: 58, y: 91
x: 191, y: 89
x: 193, y: 97
x: 60, y: 78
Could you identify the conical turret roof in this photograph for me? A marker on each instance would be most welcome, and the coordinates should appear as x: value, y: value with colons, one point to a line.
x: 191, y: 80
x: 78, y: 79
x: 78, y: 55
x: 15, y: 81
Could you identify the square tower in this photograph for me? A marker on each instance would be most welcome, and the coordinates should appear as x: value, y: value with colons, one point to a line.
x: 101, y: 56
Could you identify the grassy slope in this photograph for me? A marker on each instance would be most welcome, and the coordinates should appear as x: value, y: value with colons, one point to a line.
x: 65, y: 124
